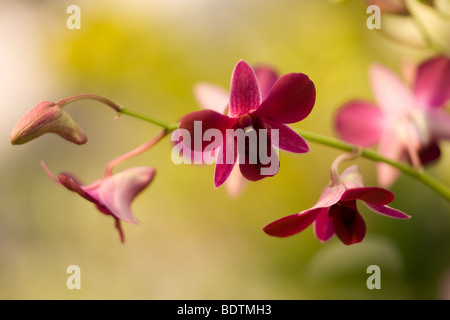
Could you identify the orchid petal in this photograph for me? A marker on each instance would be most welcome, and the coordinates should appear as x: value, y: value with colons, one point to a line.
x: 118, y: 191
x: 392, y: 147
x: 387, y: 211
x: 74, y: 185
x: 197, y: 123
x: 266, y: 79
x: 432, y: 86
x: 288, y: 139
x: 329, y: 196
x: 225, y: 161
x: 290, y: 225
x: 348, y: 224
x: 323, y: 225
x: 211, y: 96
x: 245, y: 95
x: 262, y: 169
x: 371, y: 195
x: 439, y: 124
x: 235, y: 183
x: 429, y: 153
x: 291, y: 99
x: 392, y: 95
x: 360, y: 123
x: 352, y: 178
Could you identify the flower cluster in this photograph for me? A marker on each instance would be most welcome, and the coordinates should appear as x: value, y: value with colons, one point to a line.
x: 243, y: 129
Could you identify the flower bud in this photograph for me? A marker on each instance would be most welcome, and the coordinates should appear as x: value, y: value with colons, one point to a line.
x: 46, y: 117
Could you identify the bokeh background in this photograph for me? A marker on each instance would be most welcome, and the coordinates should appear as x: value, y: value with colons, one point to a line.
x: 194, y: 241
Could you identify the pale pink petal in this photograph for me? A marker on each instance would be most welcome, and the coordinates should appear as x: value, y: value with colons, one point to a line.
x: 235, y: 183
x: 118, y: 191
x: 329, y: 196
x: 360, y: 123
x: 391, y: 94
x: 266, y: 78
x: 245, y: 95
x: 439, y: 124
x: 211, y: 96
x: 391, y: 146
x: 432, y: 87
x: 351, y: 177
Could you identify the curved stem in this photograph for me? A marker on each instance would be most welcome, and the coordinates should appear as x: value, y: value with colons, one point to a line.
x: 134, y: 152
x: 62, y: 103
x: 369, y: 154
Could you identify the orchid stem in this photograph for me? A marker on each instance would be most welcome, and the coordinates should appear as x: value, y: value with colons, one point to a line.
x: 418, y: 174
x: 167, y: 126
x: 134, y: 152
x: 62, y: 103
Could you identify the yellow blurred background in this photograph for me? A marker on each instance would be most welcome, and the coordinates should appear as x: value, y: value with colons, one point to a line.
x: 193, y: 241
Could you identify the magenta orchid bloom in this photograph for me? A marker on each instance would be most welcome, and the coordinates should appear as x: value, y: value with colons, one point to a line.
x: 213, y: 97
x: 47, y: 117
x: 336, y: 211
x: 406, y: 124
x: 112, y: 195
x: 290, y: 99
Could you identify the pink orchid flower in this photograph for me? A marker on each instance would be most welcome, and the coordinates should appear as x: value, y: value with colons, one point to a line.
x: 112, y: 195
x: 214, y: 97
x: 290, y: 100
x: 336, y: 211
x: 47, y: 117
x: 406, y: 124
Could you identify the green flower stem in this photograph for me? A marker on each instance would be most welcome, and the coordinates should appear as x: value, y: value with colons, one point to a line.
x: 167, y: 126
x: 418, y: 174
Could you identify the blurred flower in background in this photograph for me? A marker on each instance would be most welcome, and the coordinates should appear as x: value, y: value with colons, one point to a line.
x: 420, y: 24
x: 408, y: 123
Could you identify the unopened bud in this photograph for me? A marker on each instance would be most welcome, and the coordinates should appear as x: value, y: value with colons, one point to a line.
x: 47, y: 117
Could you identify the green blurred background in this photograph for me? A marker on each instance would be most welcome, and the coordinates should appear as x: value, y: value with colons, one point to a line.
x: 194, y: 241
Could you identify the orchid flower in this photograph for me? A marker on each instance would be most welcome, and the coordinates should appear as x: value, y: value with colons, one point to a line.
x: 214, y: 97
x: 336, y: 211
x: 407, y: 124
x: 112, y: 195
x: 290, y: 100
